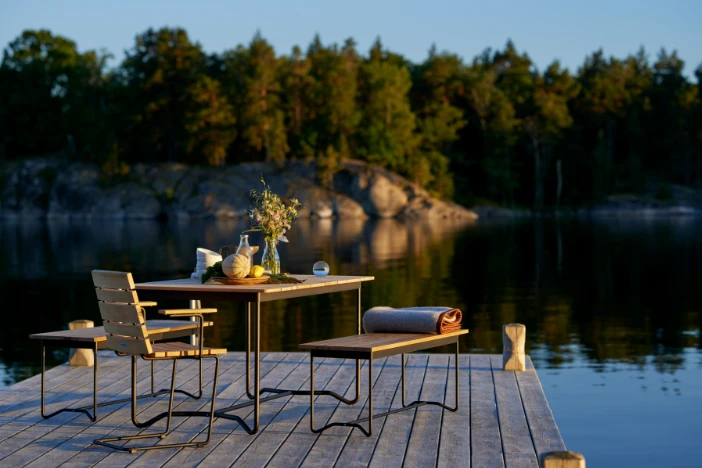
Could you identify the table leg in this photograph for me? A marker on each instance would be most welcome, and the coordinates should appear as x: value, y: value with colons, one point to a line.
x: 248, y: 351
x: 95, y: 384
x: 195, y: 340
x: 43, y: 370
x: 256, y: 396
x: 257, y: 363
x: 358, y: 332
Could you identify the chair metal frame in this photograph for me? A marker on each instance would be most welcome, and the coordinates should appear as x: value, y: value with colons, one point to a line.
x: 109, y: 441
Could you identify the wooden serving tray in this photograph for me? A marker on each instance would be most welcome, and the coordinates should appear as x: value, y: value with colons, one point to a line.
x: 240, y: 281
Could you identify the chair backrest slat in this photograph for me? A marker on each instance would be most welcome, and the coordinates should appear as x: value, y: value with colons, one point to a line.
x: 127, y: 313
x: 127, y: 345
x: 122, y: 317
x: 127, y: 296
x: 125, y: 329
x: 113, y: 279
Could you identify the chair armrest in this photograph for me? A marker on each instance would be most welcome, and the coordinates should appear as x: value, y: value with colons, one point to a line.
x: 186, y: 312
x: 147, y: 304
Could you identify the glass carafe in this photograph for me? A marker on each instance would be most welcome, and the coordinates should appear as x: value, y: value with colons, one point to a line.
x: 245, y: 249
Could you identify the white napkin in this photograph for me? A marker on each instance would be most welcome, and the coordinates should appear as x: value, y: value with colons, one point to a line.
x: 205, y: 258
x: 208, y: 256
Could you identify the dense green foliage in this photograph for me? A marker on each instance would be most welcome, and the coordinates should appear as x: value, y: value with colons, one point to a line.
x: 495, y: 128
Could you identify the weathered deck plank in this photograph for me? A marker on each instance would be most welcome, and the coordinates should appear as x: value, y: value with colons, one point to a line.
x: 298, y: 443
x: 238, y: 440
x: 454, y: 431
x: 516, y: 438
x: 156, y: 458
x: 486, y: 443
x: 53, y: 447
x: 392, y: 443
x: 544, y: 431
x: 292, y: 368
x: 503, y: 419
x: 358, y: 449
x: 117, y: 422
x: 289, y: 413
x: 424, y: 440
x: 274, y: 369
x: 331, y: 443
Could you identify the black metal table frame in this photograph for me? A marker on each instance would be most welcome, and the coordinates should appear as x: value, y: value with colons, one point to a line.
x: 255, y: 299
x: 95, y: 346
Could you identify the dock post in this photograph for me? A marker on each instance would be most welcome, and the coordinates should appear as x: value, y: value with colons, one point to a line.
x: 564, y: 460
x: 513, y: 339
x: 81, y: 357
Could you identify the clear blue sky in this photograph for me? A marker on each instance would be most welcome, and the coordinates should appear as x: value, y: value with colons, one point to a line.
x: 556, y: 29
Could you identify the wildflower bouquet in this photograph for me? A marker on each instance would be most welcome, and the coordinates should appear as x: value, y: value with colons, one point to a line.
x: 270, y: 215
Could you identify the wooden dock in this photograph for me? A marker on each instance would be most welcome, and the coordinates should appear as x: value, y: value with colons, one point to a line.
x: 504, y: 418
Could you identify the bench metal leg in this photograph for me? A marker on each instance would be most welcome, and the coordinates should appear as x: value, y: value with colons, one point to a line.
x: 312, y: 393
x: 371, y: 416
x: 86, y: 409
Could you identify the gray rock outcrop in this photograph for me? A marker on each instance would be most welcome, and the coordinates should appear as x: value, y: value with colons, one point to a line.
x: 51, y: 188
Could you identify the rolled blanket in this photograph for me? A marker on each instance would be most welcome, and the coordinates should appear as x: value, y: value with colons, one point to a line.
x: 437, y: 320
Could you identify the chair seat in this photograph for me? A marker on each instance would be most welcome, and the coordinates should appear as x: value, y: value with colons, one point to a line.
x: 177, y: 349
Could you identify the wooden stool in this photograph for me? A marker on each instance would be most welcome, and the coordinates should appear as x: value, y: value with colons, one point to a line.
x: 513, y: 340
x: 80, y: 357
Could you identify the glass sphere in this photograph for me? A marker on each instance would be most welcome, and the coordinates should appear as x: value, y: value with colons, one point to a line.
x: 320, y: 268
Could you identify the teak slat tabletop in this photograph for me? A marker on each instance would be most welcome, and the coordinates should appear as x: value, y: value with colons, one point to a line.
x: 195, y: 285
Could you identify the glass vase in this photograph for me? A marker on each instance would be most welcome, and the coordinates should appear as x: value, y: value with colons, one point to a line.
x: 271, y: 260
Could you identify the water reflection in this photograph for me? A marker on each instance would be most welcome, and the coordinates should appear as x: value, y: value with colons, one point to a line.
x: 600, y: 292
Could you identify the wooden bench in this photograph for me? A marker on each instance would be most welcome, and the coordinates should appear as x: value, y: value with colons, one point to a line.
x: 372, y: 346
x: 96, y: 339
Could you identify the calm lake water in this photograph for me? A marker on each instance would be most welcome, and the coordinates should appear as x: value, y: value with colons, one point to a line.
x: 612, y: 308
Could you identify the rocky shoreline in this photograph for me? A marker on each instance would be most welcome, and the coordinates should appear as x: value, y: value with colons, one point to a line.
x: 489, y: 212
x: 678, y: 201
x: 54, y: 189
x: 51, y: 188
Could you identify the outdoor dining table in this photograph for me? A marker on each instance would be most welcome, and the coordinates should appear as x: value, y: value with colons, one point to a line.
x: 194, y: 290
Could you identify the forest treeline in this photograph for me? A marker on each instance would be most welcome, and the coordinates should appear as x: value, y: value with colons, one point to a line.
x: 493, y: 128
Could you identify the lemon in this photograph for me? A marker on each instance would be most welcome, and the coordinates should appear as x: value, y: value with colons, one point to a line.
x: 256, y: 271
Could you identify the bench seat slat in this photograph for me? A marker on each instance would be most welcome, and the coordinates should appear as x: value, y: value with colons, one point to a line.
x: 374, y: 342
x: 97, y: 334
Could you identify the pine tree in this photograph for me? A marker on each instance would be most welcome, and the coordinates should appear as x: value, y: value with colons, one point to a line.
x: 209, y: 122
x: 387, y: 129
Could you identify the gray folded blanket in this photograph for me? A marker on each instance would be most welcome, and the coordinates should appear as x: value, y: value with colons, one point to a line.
x: 437, y: 320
